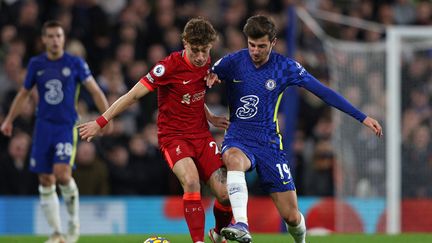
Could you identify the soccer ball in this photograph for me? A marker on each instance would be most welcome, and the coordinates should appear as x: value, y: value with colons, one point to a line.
x: 156, y: 239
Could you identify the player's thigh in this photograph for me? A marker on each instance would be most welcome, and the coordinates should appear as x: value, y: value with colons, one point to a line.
x: 273, y: 170
x: 65, y: 144
x: 41, y: 155
x: 208, y: 159
x: 286, y: 203
x: 187, y: 173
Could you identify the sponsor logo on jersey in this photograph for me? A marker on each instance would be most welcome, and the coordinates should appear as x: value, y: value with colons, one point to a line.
x: 159, y: 70
x: 198, y: 96
x: 302, y: 69
x: 150, y: 78
x: 270, y: 84
x: 66, y: 71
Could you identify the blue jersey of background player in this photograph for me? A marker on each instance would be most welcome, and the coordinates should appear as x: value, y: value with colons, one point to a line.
x: 57, y: 76
x: 58, y: 84
x: 255, y: 81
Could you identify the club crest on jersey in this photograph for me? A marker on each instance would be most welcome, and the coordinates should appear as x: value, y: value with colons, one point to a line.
x: 159, y: 70
x: 66, y: 71
x: 270, y: 84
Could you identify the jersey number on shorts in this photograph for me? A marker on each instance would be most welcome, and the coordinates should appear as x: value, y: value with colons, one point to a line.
x: 213, y: 144
x: 284, y: 168
x: 249, y: 108
x: 54, y: 95
x: 63, y: 149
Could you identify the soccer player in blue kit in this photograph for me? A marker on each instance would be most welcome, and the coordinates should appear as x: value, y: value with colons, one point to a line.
x: 57, y: 76
x: 255, y: 79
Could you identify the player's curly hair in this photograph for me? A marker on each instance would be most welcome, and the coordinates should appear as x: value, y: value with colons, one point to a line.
x: 259, y: 26
x: 199, y: 31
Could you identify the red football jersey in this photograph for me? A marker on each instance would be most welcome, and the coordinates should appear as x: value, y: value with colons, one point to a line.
x: 181, y: 91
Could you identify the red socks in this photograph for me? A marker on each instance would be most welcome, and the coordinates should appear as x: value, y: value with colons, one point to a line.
x: 194, y: 215
x: 223, y: 215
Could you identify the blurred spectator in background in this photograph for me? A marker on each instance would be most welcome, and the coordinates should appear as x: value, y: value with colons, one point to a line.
x: 122, y: 175
x: 319, y: 179
x: 417, y: 164
x: 15, y: 176
x: 91, y: 172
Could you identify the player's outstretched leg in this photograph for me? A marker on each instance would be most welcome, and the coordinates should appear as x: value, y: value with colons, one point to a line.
x: 51, y: 208
x: 238, y: 232
x: 71, y: 197
x: 223, y: 216
x: 298, y: 232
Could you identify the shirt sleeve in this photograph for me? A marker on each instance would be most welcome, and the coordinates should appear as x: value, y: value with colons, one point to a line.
x: 329, y: 96
x: 222, y: 68
x: 30, y: 80
x: 157, y: 76
x: 83, y: 70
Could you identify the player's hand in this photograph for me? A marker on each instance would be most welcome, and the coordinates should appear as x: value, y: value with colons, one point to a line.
x: 211, y: 78
x: 6, y: 128
x: 219, y: 122
x: 373, y: 125
x: 88, y: 130
x: 108, y: 129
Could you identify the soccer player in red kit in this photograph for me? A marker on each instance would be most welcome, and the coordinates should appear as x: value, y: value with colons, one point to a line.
x: 183, y: 131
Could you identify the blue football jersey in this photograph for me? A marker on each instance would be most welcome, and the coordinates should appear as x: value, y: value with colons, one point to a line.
x: 58, y: 83
x: 254, y: 94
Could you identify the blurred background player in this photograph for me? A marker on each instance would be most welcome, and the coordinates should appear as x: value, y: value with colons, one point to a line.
x: 184, y: 136
x: 57, y: 76
x: 255, y: 81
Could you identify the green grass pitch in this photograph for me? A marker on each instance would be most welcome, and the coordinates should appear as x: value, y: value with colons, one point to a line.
x: 257, y: 238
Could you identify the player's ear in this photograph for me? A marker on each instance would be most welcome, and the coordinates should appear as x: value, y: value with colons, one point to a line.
x: 273, y: 43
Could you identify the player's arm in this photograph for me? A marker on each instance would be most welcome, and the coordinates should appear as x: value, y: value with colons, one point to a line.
x: 88, y: 130
x: 96, y: 93
x: 217, y: 121
x: 336, y: 100
x: 14, y: 111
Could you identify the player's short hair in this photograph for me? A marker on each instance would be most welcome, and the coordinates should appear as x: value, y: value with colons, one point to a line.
x: 259, y: 26
x: 199, y: 31
x: 50, y: 24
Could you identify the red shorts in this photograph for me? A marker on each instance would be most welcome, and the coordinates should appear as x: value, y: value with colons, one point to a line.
x: 204, y: 152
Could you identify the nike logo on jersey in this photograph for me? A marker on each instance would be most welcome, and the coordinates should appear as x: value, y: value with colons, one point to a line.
x: 237, y: 81
x: 186, y: 81
x: 285, y: 182
x: 40, y: 72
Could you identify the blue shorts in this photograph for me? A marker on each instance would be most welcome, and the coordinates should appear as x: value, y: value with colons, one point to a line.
x: 52, y: 143
x: 269, y: 161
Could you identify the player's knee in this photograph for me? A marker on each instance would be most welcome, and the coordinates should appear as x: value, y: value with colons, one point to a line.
x: 62, y: 177
x: 292, y: 218
x: 191, y: 184
x: 232, y: 162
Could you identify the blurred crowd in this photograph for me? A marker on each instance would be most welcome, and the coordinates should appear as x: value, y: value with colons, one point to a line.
x: 122, y: 39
